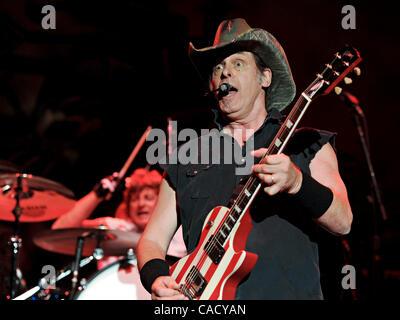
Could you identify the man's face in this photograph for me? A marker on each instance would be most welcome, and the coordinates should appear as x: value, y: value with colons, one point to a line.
x: 241, y: 72
x: 141, y: 206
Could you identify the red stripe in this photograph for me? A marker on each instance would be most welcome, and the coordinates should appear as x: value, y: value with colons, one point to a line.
x: 228, y: 270
x: 239, y: 243
x: 190, y: 258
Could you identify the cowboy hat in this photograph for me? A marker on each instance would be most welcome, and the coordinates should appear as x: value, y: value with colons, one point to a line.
x: 236, y: 35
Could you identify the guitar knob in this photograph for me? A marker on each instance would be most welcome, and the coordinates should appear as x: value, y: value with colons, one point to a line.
x: 338, y: 90
x: 357, y: 71
x: 347, y: 80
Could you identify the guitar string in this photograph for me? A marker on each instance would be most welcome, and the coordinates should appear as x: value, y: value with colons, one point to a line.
x: 203, y: 257
x: 250, y: 181
x: 191, y: 276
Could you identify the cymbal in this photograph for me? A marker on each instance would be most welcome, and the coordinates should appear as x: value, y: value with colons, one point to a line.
x: 113, y: 242
x: 41, y: 199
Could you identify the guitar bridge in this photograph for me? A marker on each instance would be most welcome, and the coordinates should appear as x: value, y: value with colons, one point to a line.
x: 194, y: 284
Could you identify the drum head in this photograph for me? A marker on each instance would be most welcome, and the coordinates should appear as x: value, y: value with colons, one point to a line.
x: 118, y: 281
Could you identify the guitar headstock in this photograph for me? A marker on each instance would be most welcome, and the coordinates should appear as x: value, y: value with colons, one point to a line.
x: 345, y: 61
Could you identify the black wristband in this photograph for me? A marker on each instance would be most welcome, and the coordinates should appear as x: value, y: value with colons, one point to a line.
x: 100, y: 191
x: 314, y: 197
x: 151, y: 270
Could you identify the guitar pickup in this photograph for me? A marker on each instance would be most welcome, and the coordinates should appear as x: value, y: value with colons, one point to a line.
x: 214, y: 250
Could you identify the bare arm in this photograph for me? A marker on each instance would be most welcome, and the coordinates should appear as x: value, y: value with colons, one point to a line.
x: 161, y: 227
x: 82, y: 210
x: 156, y: 238
x: 281, y: 175
x: 324, y: 168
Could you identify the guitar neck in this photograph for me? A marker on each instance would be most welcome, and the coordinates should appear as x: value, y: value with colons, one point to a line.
x: 253, y: 184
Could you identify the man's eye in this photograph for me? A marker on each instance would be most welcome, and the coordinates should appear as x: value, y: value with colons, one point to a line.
x: 239, y: 64
x: 219, y: 67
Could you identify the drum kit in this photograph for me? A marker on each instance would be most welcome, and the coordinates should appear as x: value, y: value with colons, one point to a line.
x: 25, y: 198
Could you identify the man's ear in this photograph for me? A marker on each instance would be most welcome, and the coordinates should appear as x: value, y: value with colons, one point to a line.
x: 266, y: 78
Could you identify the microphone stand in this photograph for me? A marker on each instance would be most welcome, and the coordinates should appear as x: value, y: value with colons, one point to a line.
x: 360, y: 122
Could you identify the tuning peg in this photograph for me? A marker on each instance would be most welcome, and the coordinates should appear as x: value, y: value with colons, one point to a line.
x: 347, y: 80
x: 357, y: 71
x: 338, y: 90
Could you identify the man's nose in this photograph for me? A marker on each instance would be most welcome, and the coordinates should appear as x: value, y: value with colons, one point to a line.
x: 142, y: 203
x: 226, y: 72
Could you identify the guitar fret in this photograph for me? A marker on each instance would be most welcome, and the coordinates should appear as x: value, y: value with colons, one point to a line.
x: 252, y: 185
x: 230, y: 223
x: 278, y: 142
x: 238, y: 210
x: 195, y: 282
x: 235, y: 215
x: 217, y: 240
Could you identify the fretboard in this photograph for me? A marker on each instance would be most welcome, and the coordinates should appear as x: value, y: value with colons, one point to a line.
x: 253, y: 184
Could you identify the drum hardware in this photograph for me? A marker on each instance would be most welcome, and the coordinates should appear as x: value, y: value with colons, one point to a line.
x: 75, y: 267
x: 42, y: 289
x: 26, y: 198
x: 130, y: 254
x: 94, y: 243
x: 99, y: 242
x: 98, y: 253
x: 15, y: 241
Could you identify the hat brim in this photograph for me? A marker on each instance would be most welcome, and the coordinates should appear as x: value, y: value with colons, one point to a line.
x: 282, y: 89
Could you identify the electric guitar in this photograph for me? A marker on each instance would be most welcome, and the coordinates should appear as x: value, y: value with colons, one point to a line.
x: 218, y: 264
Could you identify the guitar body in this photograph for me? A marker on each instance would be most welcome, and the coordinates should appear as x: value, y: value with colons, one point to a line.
x: 217, y: 281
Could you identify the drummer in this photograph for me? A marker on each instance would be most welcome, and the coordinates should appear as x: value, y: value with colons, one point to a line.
x: 133, y: 214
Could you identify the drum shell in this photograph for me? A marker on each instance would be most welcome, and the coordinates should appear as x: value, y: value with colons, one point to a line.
x: 118, y: 281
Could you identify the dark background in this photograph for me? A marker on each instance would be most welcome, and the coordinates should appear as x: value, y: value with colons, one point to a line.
x: 74, y: 101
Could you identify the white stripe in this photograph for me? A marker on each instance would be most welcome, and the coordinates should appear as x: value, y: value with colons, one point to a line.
x: 207, y: 261
x: 219, y: 272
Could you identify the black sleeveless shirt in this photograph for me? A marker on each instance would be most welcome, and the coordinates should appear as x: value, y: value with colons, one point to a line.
x: 283, y: 237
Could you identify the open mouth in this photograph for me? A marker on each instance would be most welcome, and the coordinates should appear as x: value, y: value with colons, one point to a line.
x: 227, y: 94
x: 142, y: 213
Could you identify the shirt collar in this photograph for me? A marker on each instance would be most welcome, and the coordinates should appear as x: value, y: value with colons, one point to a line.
x: 273, y: 114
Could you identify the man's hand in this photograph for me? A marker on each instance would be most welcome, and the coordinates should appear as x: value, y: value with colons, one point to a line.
x: 165, y: 288
x: 110, y: 223
x: 278, y: 172
x: 106, y: 186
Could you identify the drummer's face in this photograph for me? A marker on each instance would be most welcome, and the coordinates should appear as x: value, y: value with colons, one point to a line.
x: 141, y: 206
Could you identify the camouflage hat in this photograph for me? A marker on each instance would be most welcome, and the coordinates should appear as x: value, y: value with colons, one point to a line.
x: 236, y: 35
